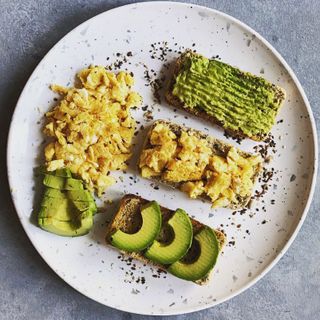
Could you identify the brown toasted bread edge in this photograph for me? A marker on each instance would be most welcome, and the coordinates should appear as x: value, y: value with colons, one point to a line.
x: 223, y: 147
x: 176, y: 102
x: 127, y: 207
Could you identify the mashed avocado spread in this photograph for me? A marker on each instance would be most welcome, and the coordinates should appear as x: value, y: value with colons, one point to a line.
x: 238, y: 100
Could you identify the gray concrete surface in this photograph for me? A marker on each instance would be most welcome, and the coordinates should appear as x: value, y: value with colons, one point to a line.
x: 29, y: 289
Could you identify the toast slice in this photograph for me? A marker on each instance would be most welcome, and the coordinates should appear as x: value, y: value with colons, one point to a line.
x: 263, y: 97
x: 218, y: 148
x: 128, y: 219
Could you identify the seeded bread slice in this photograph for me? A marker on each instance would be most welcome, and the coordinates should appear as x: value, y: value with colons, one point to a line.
x: 176, y: 102
x: 128, y: 219
x: 218, y: 147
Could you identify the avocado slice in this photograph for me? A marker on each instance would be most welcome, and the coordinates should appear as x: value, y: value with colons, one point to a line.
x: 85, y: 200
x: 151, y: 226
x: 81, y: 205
x: 85, y: 205
x: 64, y: 209
x: 64, y: 173
x: 54, y: 214
x: 53, y: 193
x: 66, y: 228
x: 198, y: 269
x: 73, y: 184
x: 80, y: 195
x: 54, y: 182
x: 178, y: 247
x: 59, y: 216
x: 57, y: 208
x: 82, y: 200
x: 62, y: 183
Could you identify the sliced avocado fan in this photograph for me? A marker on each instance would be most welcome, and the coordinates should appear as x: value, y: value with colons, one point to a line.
x: 151, y: 226
x: 178, y: 247
x: 67, y: 208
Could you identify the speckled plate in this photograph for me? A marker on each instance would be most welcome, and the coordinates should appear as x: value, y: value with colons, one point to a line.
x: 257, y: 238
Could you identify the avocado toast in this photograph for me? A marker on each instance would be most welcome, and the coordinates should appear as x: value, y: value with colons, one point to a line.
x: 175, y: 242
x: 202, y: 166
x: 245, y: 105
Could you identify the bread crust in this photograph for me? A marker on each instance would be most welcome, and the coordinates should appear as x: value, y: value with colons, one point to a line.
x: 218, y: 147
x: 177, y: 103
x: 124, y: 218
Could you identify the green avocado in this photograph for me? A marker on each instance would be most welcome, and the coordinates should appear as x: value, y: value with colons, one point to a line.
x: 66, y: 208
x: 73, y: 184
x: 150, y: 228
x: 178, y: 247
x: 239, y: 100
x: 85, y: 201
x: 207, y: 247
x: 82, y: 200
x: 56, y: 208
x: 80, y: 195
x: 66, y: 228
x: 61, y: 183
x: 54, y: 182
x: 56, y: 213
x: 85, y: 205
x: 54, y: 193
x: 65, y: 173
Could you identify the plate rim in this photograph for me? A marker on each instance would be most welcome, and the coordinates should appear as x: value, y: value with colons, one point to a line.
x: 305, y: 100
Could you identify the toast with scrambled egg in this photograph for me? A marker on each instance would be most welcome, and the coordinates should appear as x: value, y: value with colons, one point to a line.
x: 91, y: 128
x: 244, y: 104
x: 128, y: 219
x: 202, y: 166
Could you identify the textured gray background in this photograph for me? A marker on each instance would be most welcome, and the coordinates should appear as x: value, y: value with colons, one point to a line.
x: 29, y: 289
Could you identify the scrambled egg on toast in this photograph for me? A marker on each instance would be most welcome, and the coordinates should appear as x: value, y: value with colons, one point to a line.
x: 91, y: 127
x: 194, y: 163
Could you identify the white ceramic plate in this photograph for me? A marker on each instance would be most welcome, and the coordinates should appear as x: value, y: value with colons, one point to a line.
x: 258, y: 238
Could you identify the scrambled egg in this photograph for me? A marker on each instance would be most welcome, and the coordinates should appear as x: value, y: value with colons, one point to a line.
x: 92, y: 128
x: 189, y: 161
